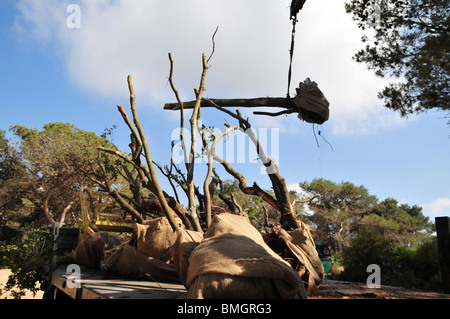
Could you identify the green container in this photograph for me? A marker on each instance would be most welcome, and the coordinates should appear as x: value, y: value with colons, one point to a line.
x: 327, y: 260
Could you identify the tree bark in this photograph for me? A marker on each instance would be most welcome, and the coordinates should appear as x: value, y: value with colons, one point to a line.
x: 192, y: 209
x: 280, y: 102
x: 206, y: 189
x: 47, y: 211
x: 64, y: 212
x: 156, y: 188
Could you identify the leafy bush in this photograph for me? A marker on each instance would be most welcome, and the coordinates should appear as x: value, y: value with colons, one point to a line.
x: 414, y: 267
x: 410, y: 267
x: 24, y: 255
x: 370, y: 247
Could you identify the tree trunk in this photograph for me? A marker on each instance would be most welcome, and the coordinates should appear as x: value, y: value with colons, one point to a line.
x: 63, y: 214
x: 47, y: 211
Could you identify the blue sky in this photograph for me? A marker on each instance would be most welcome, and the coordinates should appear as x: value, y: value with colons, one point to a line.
x: 50, y: 72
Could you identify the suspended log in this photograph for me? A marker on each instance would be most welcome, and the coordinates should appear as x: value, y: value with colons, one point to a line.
x: 310, y: 103
x: 280, y: 102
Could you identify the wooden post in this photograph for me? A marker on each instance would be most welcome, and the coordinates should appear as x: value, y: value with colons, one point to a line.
x: 443, y: 239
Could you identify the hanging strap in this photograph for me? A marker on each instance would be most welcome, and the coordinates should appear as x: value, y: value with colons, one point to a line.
x: 294, y: 21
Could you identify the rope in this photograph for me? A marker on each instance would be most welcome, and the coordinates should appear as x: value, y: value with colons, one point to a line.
x: 294, y: 21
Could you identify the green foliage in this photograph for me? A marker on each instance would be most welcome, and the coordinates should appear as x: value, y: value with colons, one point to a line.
x: 337, y: 210
x: 409, y: 39
x: 370, y: 247
x: 55, y: 162
x: 343, y: 211
x: 403, y: 223
x: 415, y: 267
x: 24, y: 255
x: 12, y: 173
x: 58, y: 146
x: 361, y: 230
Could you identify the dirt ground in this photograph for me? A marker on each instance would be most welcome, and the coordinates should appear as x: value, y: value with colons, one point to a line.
x: 4, y: 274
x: 334, y: 289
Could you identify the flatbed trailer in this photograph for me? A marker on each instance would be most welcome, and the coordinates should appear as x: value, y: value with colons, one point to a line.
x: 94, y: 285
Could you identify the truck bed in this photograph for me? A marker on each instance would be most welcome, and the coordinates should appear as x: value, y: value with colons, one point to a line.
x: 94, y: 285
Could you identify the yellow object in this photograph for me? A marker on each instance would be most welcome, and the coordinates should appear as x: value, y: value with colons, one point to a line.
x: 98, y: 216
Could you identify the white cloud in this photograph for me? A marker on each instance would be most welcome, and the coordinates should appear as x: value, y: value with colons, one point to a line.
x: 303, y: 195
x: 121, y: 37
x: 296, y: 187
x: 440, y: 206
x: 40, y: 20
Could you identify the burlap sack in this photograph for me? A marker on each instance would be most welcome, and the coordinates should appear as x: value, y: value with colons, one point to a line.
x: 128, y: 261
x: 186, y: 242
x: 312, y: 105
x: 233, y: 261
x: 231, y: 224
x: 91, y: 250
x: 301, y: 244
x: 154, y: 238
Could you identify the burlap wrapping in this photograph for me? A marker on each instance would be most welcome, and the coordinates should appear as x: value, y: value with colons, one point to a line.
x: 91, y: 250
x: 155, y: 237
x: 147, y: 255
x: 233, y: 261
x: 128, y: 261
x: 186, y: 242
x: 301, y: 244
x: 312, y: 105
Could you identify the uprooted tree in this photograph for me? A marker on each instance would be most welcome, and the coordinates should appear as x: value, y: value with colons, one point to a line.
x: 310, y: 104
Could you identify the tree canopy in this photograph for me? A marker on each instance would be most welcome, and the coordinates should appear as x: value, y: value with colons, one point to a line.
x: 12, y: 174
x: 342, y: 211
x: 410, y: 40
x: 53, y: 164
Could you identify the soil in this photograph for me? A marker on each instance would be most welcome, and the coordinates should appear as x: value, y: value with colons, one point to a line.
x: 334, y: 289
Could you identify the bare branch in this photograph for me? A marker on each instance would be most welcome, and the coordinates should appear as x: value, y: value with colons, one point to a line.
x: 274, y: 114
x: 214, y: 44
x: 303, y: 200
x: 281, y: 202
x: 169, y: 177
x: 180, y: 107
x: 193, y: 121
x: 210, y: 170
x: 237, y: 116
x: 153, y: 178
x: 133, y: 131
x: 141, y: 168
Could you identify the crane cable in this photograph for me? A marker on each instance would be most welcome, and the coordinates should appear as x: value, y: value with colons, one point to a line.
x: 291, y: 51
